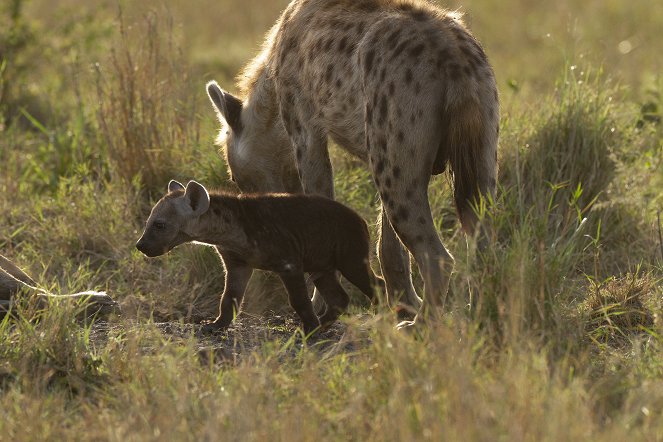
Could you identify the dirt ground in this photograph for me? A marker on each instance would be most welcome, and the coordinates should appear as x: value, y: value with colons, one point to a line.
x: 248, y: 333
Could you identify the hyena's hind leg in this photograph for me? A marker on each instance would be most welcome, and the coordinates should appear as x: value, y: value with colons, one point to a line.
x: 395, y: 264
x: 412, y: 220
x: 401, y: 156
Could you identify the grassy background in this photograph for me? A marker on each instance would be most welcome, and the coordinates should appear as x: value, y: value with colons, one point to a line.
x: 102, y: 103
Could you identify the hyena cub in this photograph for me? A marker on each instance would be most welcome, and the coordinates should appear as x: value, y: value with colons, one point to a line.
x: 284, y: 233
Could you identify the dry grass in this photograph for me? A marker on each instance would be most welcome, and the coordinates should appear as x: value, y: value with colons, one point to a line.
x: 564, y: 338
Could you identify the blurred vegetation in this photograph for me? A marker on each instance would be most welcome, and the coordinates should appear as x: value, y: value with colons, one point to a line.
x: 102, y: 102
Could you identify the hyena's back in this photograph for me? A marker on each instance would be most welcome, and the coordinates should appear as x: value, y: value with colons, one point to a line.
x: 389, y: 80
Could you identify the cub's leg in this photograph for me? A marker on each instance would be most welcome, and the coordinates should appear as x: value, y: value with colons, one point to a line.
x: 359, y: 273
x: 295, y: 284
x: 335, y: 296
x: 237, y: 278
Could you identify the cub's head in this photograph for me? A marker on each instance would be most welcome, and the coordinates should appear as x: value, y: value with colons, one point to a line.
x: 173, y: 219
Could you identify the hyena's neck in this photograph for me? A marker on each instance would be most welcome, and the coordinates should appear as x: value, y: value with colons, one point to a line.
x: 261, y: 97
x: 220, y: 225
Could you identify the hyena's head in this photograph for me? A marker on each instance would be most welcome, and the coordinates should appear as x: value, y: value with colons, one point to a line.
x: 174, y: 218
x: 258, y: 150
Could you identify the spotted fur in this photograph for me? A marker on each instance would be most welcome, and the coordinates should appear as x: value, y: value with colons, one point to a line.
x: 401, y: 84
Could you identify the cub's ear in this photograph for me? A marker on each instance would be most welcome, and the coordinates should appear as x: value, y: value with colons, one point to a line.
x: 227, y: 106
x: 197, y: 198
x: 174, y: 186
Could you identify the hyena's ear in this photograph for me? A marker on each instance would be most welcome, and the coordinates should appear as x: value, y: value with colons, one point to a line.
x: 197, y: 197
x: 175, y: 186
x: 227, y: 105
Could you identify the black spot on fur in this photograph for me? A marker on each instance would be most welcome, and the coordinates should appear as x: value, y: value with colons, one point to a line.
x: 421, y: 220
x: 379, y: 168
x: 329, y: 73
x: 408, y: 76
x: 384, y: 108
x: 471, y: 57
x: 417, y: 88
x: 419, y: 238
x: 417, y: 50
x: 330, y: 4
x: 387, y: 182
x: 368, y: 61
x: 342, y: 44
x: 396, y: 172
x: 383, y: 144
x: 400, y: 136
x: 400, y: 48
x: 329, y: 44
x: 367, y: 6
x: 419, y: 15
x: 369, y: 113
x: 479, y: 50
x: 317, y: 47
x: 339, y: 83
x: 460, y: 34
x: 402, y: 214
x: 443, y: 56
x: 393, y: 37
x: 392, y: 88
x: 454, y: 71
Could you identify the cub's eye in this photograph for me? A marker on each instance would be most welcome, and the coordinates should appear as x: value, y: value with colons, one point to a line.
x: 159, y: 225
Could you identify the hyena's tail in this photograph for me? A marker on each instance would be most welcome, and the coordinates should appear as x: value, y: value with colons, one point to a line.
x: 471, y: 146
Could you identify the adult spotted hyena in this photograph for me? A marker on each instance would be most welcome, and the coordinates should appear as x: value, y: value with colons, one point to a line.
x: 402, y: 85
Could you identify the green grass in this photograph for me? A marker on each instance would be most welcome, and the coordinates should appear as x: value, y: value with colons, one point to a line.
x: 100, y: 105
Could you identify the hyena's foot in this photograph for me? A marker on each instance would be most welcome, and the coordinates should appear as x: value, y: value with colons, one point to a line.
x: 411, y: 326
x: 311, y: 327
x: 330, y: 316
x: 213, y: 326
x: 405, y: 312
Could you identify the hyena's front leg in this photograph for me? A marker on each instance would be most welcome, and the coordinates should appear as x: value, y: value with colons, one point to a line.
x: 395, y: 265
x: 237, y: 278
x: 313, y: 163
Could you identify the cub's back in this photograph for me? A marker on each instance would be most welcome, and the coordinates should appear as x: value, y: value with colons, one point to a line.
x: 305, y: 215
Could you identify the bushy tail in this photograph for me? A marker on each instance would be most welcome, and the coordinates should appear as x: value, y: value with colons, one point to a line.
x: 472, y: 149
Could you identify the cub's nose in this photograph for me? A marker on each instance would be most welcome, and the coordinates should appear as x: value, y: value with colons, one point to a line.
x: 140, y: 245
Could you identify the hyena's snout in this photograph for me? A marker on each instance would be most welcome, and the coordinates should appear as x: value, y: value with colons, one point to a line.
x: 149, y: 249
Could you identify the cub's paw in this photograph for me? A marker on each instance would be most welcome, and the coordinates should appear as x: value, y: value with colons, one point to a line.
x: 209, y: 327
